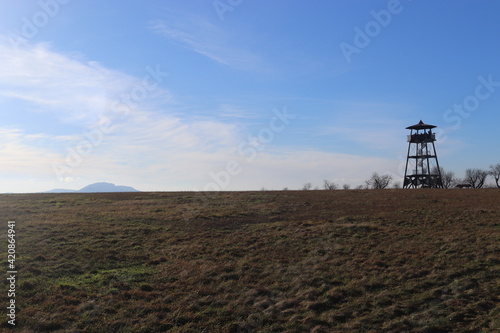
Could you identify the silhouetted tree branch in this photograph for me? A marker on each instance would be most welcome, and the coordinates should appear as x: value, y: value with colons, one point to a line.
x: 495, y: 172
x: 476, y: 177
x: 307, y: 187
x: 378, y: 182
x: 327, y: 185
x: 447, y: 177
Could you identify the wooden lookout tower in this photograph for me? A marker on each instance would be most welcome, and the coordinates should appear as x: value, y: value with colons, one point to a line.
x: 422, y: 166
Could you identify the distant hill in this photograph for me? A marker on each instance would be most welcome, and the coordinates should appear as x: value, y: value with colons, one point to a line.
x: 106, y: 187
x: 97, y: 188
x: 61, y: 190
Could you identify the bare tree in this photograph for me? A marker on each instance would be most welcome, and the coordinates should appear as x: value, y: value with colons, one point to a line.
x: 378, y: 182
x: 476, y: 177
x: 327, y: 185
x: 447, y: 177
x: 307, y: 187
x: 346, y: 186
x: 495, y: 172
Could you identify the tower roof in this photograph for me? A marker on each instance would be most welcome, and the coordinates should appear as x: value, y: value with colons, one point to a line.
x: 421, y: 125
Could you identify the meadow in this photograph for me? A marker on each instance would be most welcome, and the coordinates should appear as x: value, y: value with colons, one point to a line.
x: 291, y: 261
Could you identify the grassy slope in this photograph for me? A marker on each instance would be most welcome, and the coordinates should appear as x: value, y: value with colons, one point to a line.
x: 321, y: 261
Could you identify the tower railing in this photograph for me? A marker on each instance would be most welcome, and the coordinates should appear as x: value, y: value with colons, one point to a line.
x: 421, y: 137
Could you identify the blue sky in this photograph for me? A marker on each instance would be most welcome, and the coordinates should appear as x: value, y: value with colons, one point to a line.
x: 241, y: 95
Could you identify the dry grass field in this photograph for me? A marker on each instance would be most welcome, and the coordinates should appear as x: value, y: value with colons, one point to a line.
x: 290, y: 261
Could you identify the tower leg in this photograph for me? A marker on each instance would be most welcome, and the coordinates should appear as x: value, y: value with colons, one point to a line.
x: 406, y: 181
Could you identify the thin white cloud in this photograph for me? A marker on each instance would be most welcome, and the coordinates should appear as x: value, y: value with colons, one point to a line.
x: 292, y: 169
x: 70, y: 90
x: 200, y: 36
x: 24, y: 154
x: 149, y: 147
x: 371, y: 124
x: 147, y: 138
x: 385, y: 137
x: 235, y: 112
